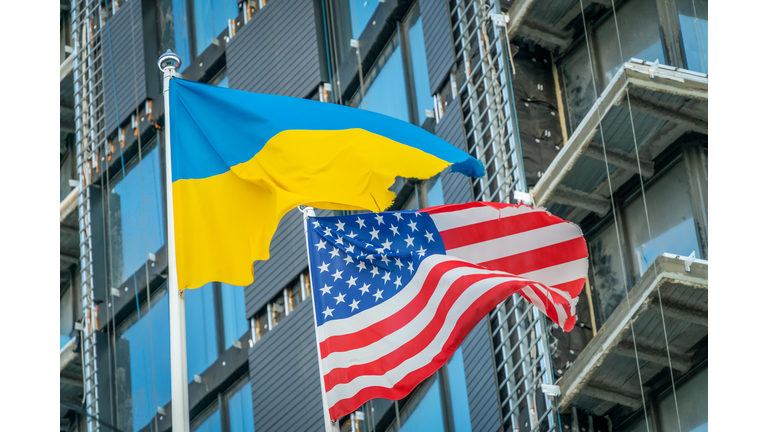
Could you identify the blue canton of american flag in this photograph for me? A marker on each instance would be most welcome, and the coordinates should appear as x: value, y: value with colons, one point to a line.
x: 359, y: 261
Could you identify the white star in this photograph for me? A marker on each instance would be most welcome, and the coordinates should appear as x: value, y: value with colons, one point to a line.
x: 387, y: 244
x: 398, y: 283
x: 348, y: 260
x: 364, y: 289
x: 421, y: 251
x: 394, y: 229
x: 377, y: 294
x: 374, y: 234
x: 340, y: 298
x: 351, y: 282
x: 370, y: 258
x: 337, y: 275
x: 386, y: 277
x: 350, y: 249
x: 374, y: 271
x: 326, y: 289
x: 328, y: 312
x: 352, y: 235
x: 324, y: 267
x: 361, y: 266
x: 409, y: 241
x: 398, y: 263
x: 379, y: 218
x: 354, y: 305
x: 334, y: 252
x: 413, y: 226
x: 410, y: 266
x: 418, y: 213
x: 368, y: 245
x: 429, y: 235
x: 384, y: 259
x: 340, y: 240
x: 360, y: 222
x: 340, y: 226
x: 316, y: 224
x: 328, y: 232
x: 320, y: 245
x: 398, y: 216
x: 379, y: 251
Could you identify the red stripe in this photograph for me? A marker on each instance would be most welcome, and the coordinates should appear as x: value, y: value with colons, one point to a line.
x: 541, y: 258
x: 493, y: 229
x: 416, y: 343
x: 395, y: 321
x: 476, y: 312
x: 573, y: 287
x: 447, y: 208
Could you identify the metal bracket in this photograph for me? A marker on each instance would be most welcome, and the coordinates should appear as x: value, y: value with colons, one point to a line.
x: 73, y: 183
x: 551, y: 390
x: 198, y: 379
x: 354, y: 43
x: 115, y: 292
x: 161, y: 411
x: 523, y: 197
x: 688, y: 261
x: 499, y: 20
x: 654, y: 68
x: 152, y: 258
x: 237, y: 344
x: 307, y: 211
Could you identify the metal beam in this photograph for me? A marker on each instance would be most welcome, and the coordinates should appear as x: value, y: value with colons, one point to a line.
x: 67, y: 230
x: 67, y: 110
x: 618, y: 396
x: 654, y: 355
x: 537, y: 31
x: 576, y: 198
x: 68, y: 354
x: 620, y: 159
x: 68, y: 259
x: 65, y: 68
x: 71, y: 379
x: 516, y: 14
x: 66, y: 126
x: 682, y: 313
x: 657, y: 110
x: 68, y: 205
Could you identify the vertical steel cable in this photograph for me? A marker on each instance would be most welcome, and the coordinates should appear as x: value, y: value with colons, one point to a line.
x: 613, y: 212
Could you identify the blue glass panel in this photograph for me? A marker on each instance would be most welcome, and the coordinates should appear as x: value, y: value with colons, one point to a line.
x: 181, y: 32
x: 211, y: 19
x: 427, y: 417
x: 241, y: 410
x: 694, y: 28
x: 233, y: 307
x: 224, y: 82
x: 134, y: 218
x: 63, y: 341
x: 362, y: 11
x: 680, y: 239
x: 435, y: 194
x: 387, y: 93
x: 419, y: 63
x: 211, y: 424
x: 149, y: 341
x: 201, y: 330
x: 459, y: 399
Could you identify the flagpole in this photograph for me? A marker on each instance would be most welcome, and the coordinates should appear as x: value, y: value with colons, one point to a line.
x: 169, y: 63
x: 329, y: 425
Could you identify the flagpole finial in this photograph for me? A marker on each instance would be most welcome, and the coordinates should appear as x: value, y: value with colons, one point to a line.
x: 169, y: 59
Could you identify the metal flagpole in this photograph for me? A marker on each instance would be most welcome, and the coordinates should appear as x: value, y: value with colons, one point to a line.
x: 169, y: 63
x: 329, y: 425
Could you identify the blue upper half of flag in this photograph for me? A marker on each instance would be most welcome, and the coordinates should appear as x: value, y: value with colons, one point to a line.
x: 359, y: 261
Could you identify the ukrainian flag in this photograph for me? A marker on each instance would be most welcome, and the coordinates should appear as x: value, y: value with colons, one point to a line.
x: 240, y: 161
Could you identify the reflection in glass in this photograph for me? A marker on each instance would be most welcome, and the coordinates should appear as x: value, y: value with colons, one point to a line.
x: 278, y: 310
x: 459, y: 398
x: 211, y: 19
x: 136, y: 225
x: 241, y: 410
x: 385, y: 93
x: 691, y: 403
x: 210, y: 424
x: 578, y: 85
x: 424, y: 411
x: 233, y: 310
x: 608, y: 277
x: 419, y: 64
x: 66, y: 318
x: 201, y: 330
x: 694, y: 28
x: 181, y: 32
x: 435, y: 191
x: 362, y: 11
x: 146, y: 346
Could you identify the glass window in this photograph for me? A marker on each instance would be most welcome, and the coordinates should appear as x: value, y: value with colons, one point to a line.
x: 424, y: 411
x: 694, y: 29
x: 459, y: 398
x: 278, y: 309
x: 435, y: 191
x: 671, y: 216
x: 143, y: 354
x: 691, y: 404
x: 294, y: 294
x: 262, y: 325
x: 66, y: 318
x: 385, y: 91
x: 181, y: 32
x: 362, y: 11
x: 212, y: 423
x: 605, y: 263
x: 419, y: 64
x: 241, y: 409
x: 136, y: 218
x: 640, y: 37
x: 211, y: 19
x: 233, y: 309
x: 201, y: 330
x: 579, y: 89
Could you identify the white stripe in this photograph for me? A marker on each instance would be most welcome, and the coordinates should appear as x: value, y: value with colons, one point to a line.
x: 562, y: 316
x: 560, y: 273
x: 473, y: 215
x: 391, y: 377
x: 381, y: 311
x: 534, y: 298
x: 514, y: 244
x: 393, y: 341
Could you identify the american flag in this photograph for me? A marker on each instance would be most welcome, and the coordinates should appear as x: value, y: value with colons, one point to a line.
x: 395, y: 293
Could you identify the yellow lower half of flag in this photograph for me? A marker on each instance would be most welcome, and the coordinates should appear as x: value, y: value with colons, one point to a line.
x: 225, y: 222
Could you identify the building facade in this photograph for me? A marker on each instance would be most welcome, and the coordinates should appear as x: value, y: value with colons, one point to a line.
x: 594, y: 109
